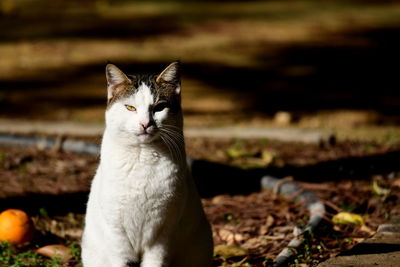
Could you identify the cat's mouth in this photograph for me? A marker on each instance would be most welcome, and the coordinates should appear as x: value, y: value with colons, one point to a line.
x: 146, y: 136
x: 146, y: 132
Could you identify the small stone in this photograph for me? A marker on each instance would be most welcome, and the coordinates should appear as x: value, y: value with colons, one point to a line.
x: 388, y: 227
x: 283, y: 118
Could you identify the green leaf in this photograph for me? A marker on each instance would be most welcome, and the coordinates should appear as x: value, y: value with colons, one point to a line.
x: 226, y: 251
x: 239, y: 153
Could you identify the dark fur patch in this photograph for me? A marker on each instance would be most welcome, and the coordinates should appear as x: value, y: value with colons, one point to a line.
x: 162, y: 91
x: 133, y: 264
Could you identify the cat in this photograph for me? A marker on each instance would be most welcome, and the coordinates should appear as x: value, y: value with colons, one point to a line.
x: 143, y: 208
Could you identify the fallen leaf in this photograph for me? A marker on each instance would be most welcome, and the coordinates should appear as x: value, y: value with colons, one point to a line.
x: 275, y: 237
x: 256, y: 242
x: 268, y: 223
x: 230, y: 237
x: 239, y: 153
x: 218, y: 199
x: 226, y: 251
x: 378, y: 190
x: 348, y: 218
x: 358, y: 240
x: 267, y: 157
x: 55, y: 251
x: 368, y: 230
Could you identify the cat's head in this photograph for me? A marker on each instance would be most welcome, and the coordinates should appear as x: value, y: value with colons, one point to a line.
x: 143, y: 107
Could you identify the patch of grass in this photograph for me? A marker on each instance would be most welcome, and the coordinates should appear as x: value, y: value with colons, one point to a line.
x: 75, y: 251
x: 304, y: 255
x: 10, y: 257
x: 14, y: 257
x: 43, y: 213
x: 348, y: 207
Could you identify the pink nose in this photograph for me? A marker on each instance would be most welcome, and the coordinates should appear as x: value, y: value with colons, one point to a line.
x: 145, y: 125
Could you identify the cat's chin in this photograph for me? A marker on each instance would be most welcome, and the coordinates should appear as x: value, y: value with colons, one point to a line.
x: 146, y: 138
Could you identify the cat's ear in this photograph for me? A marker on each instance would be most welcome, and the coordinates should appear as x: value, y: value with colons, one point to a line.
x: 115, y: 79
x: 171, y: 75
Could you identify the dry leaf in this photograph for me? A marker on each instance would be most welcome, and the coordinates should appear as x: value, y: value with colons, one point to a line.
x: 275, y: 237
x: 56, y: 251
x: 265, y: 227
x: 239, y: 153
x: 230, y: 237
x: 368, y: 230
x: 267, y: 157
x: 378, y: 190
x: 396, y: 183
x: 229, y: 251
x: 348, y: 218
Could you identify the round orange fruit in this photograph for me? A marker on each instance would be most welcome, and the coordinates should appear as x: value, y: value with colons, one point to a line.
x: 15, y: 227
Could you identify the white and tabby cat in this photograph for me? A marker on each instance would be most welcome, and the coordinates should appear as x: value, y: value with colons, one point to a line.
x: 143, y: 207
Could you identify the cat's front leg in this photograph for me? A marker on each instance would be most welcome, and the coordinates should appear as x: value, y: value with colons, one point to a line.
x: 120, y: 251
x: 156, y: 256
x: 105, y: 246
x: 104, y: 256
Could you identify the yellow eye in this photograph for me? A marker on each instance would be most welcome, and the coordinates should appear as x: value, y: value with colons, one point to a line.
x: 130, y: 108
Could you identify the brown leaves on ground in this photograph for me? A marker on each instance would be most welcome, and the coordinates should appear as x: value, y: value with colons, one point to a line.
x: 263, y: 223
x: 260, y: 224
x: 54, y: 172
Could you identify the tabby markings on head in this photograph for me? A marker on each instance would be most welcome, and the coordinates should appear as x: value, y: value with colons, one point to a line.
x: 163, y: 87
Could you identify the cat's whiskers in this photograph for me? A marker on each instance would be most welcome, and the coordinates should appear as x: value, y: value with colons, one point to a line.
x: 174, y: 147
x: 167, y: 144
x: 178, y: 137
x: 172, y: 126
x: 174, y: 142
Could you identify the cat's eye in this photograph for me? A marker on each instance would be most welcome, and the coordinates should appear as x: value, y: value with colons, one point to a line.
x: 160, y: 106
x: 130, y: 108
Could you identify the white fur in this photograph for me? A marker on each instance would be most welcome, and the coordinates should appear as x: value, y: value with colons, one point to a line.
x: 143, y: 205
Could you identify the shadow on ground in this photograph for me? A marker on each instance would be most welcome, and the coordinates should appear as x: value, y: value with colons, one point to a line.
x: 371, y: 248
x: 214, y: 179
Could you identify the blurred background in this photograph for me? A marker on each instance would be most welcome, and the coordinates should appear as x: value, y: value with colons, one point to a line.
x: 328, y: 69
x: 328, y: 64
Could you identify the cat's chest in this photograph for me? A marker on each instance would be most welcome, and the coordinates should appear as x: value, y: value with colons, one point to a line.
x: 140, y: 180
x: 132, y: 195
x: 150, y: 179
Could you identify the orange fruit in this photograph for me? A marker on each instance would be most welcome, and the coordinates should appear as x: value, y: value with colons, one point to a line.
x: 15, y: 227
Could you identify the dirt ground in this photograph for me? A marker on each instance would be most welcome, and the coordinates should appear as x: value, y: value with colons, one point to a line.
x: 52, y: 187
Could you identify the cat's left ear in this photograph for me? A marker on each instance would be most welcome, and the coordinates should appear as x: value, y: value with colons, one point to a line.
x: 171, y: 75
x: 115, y: 80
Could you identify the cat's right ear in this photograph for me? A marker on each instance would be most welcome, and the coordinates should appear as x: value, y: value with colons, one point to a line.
x: 115, y: 80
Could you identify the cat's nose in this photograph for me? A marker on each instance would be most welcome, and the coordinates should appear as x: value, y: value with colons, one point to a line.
x: 145, y: 125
